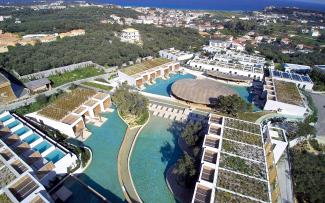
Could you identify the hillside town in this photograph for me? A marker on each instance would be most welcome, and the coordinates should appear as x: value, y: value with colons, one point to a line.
x: 109, y: 103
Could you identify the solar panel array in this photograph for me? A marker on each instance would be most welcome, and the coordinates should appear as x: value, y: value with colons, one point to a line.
x: 291, y: 76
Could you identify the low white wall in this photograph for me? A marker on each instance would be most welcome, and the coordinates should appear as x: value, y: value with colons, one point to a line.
x: 284, y: 108
x: 124, y: 77
x: 62, y: 127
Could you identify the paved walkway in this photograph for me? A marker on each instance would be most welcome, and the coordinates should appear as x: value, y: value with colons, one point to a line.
x: 124, y: 173
x: 319, y: 101
x: 284, y: 177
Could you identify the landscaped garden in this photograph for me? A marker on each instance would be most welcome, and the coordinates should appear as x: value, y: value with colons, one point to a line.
x: 242, y: 136
x: 99, y: 86
x: 247, y: 151
x: 242, y: 166
x: 74, y: 75
x: 287, y: 92
x: 132, y: 106
x: 4, y: 198
x: 243, y: 185
x: 242, y: 125
x: 222, y: 197
x: 6, y: 176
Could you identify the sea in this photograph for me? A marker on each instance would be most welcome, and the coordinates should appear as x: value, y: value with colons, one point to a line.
x: 227, y: 5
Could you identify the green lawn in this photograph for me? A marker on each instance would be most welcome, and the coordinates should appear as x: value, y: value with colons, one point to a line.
x: 99, y: 86
x: 78, y: 74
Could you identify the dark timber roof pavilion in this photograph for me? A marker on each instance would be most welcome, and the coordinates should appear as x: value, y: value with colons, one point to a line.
x: 200, y: 91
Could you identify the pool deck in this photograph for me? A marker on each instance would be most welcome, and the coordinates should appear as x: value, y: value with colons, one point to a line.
x: 124, y: 173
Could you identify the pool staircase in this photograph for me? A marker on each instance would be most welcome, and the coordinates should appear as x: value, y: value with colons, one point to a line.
x: 37, y: 151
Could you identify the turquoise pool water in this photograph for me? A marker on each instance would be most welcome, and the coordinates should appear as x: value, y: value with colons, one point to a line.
x: 163, y: 87
x: 105, y: 142
x: 22, y: 131
x: 13, y: 124
x: 55, y: 155
x: 5, y: 118
x: 155, y: 150
x: 41, y: 147
x: 31, y: 138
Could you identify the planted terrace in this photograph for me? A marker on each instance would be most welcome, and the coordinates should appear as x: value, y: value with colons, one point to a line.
x: 242, y: 125
x: 243, y: 150
x: 222, y: 196
x: 241, y: 136
x: 146, y: 65
x: 288, y: 92
x: 6, y: 176
x: 243, y: 185
x: 243, y: 166
x: 66, y: 103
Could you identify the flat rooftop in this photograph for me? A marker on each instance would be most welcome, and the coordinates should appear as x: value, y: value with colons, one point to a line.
x: 287, y: 92
x: 67, y: 103
x: 146, y: 65
x: 291, y: 76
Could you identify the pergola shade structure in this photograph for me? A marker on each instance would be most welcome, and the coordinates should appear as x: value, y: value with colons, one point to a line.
x: 198, y: 91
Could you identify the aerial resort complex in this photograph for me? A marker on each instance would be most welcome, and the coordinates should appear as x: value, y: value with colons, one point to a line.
x: 155, y: 105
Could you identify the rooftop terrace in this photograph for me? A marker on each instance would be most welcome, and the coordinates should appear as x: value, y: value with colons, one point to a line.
x: 241, y: 167
x: 146, y: 65
x: 288, y: 92
x: 66, y: 103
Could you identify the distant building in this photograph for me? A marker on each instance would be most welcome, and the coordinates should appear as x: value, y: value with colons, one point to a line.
x: 130, y: 35
x: 315, y: 33
x: 237, y: 45
x: 285, y: 41
x: 289, y: 67
x: 42, y: 84
x: 175, y: 55
x: 6, y: 92
x: 321, y: 67
x: 72, y: 33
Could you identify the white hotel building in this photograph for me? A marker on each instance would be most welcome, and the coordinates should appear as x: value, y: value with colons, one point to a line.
x: 71, y: 118
x: 29, y: 159
x: 148, y: 71
x: 302, y: 81
x: 175, y: 55
x: 254, y: 72
x: 229, y: 143
x: 130, y: 35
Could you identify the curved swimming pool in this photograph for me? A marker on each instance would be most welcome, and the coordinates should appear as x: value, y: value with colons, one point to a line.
x: 105, y: 143
x: 156, y: 149
x: 163, y: 87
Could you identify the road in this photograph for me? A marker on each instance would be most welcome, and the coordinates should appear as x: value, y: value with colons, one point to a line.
x: 319, y: 100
